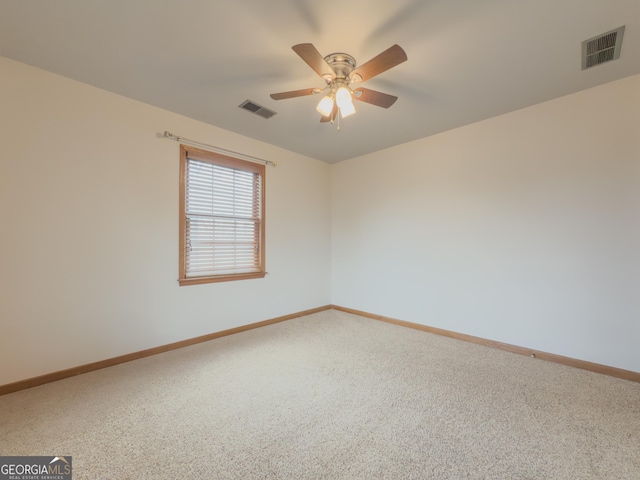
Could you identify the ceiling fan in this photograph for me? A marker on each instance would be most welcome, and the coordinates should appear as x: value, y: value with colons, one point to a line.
x: 339, y: 71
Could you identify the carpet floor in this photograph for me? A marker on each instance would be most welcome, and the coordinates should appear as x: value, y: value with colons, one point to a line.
x: 332, y: 396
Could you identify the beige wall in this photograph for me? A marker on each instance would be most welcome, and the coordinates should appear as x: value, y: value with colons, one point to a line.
x: 523, y: 228
x: 89, y: 244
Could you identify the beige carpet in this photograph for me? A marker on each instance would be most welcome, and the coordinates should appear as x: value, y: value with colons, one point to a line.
x: 334, y: 396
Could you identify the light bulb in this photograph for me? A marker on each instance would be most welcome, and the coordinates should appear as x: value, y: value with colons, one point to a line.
x: 345, y: 102
x: 325, y: 107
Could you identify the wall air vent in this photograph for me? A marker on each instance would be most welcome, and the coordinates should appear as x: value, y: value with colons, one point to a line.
x: 253, y: 107
x: 602, y: 48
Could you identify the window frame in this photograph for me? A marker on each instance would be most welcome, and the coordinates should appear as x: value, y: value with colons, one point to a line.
x: 188, y: 152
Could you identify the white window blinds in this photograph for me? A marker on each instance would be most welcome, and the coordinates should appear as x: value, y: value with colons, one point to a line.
x: 223, y: 217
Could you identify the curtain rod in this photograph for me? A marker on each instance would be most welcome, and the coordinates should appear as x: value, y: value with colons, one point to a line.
x: 222, y: 151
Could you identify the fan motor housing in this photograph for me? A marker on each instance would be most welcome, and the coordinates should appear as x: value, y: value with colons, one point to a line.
x: 341, y: 63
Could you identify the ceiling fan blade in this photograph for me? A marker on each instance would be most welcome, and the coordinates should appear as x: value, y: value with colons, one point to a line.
x: 374, y: 98
x: 295, y: 93
x: 332, y: 117
x: 391, y: 57
x: 315, y: 60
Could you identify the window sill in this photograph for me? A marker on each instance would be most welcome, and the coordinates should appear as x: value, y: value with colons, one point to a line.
x: 219, y: 278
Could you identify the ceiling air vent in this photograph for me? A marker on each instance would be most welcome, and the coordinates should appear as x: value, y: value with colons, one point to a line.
x: 602, y: 48
x: 257, y: 109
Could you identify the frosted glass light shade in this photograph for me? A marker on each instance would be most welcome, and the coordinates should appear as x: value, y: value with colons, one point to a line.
x: 345, y: 102
x: 325, y: 107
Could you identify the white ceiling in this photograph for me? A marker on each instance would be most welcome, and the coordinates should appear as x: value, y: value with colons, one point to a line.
x: 468, y: 59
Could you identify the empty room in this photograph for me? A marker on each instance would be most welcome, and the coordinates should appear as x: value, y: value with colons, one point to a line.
x: 337, y: 240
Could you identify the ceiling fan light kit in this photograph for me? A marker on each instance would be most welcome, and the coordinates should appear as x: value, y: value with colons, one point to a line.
x: 339, y: 71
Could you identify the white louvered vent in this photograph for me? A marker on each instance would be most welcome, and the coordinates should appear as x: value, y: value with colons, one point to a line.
x: 253, y: 107
x: 601, y: 49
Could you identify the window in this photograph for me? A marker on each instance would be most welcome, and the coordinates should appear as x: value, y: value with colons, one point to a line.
x: 221, y: 218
